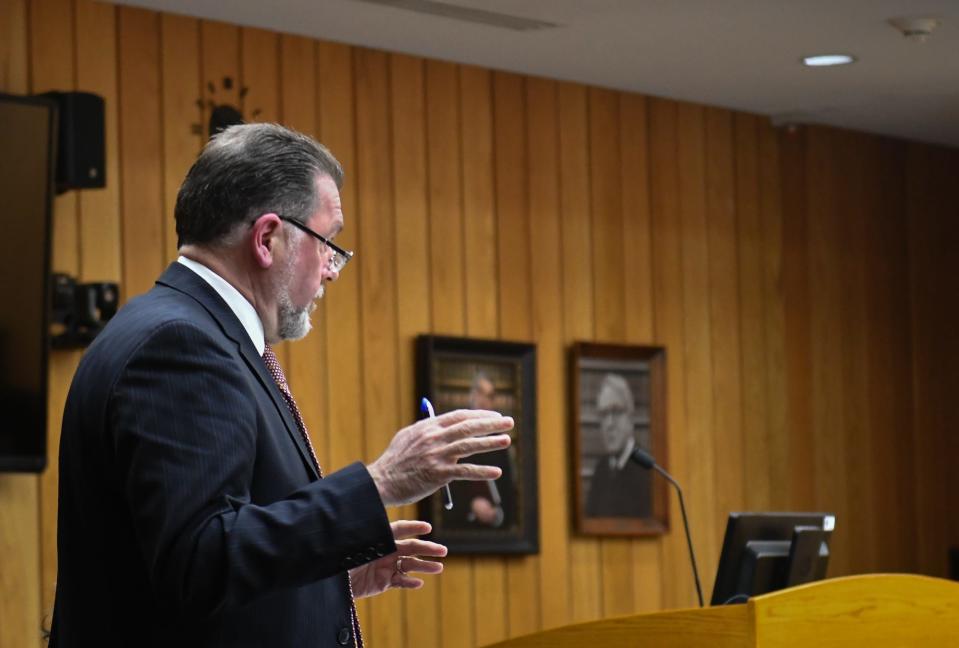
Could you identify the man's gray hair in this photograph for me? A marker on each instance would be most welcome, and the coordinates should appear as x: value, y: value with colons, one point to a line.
x: 619, y: 386
x: 246, y: 171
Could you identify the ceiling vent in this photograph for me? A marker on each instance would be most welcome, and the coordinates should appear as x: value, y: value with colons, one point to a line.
x: 465, y: 14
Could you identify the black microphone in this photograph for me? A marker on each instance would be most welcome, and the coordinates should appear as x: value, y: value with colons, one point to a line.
x: 646, y: 460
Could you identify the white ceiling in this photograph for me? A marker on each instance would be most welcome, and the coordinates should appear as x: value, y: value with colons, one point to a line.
x: 740, y: 54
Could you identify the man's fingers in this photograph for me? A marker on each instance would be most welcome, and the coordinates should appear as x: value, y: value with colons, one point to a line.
x: 406, y: 565
x: 403, y: 529
x: 412, y: 564
x: 419, y: 548
x: 476, y: 445
x: 474, y: 472
x: 481, y: 426
x: 460, y: 415
x: 406, y: 582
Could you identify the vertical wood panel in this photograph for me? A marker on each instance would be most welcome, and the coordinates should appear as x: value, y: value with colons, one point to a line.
x: 577, y: 251
x: 378, y: 287
x: 780, y: 459
x: 479, y: 218
x: 298, y: 84
x: 609, y: 290
x: 14, y: 53
x: 545, y: 273
x: 932, y: 240
x: 696, y: 444
x: 446, y: 216
x: 140, y: 149
x: 859, y: 155
x: 828, y: 417
x: 889, y: 380
x: 412, y: 277
x: 724, y: 307
x: 184, y: 132
x: 920, y: 218
x: 634, y: 187
x: 20, y: 590
x: 796, y: 490
x: 752, y: 311
x: 646, y: 557
x: 260, y: 77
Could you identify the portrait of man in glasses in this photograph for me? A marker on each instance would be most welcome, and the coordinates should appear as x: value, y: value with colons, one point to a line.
x: 193, y: 507
x: 617, y: 486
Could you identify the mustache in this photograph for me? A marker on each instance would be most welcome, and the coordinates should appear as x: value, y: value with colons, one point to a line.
x: 318, y: 296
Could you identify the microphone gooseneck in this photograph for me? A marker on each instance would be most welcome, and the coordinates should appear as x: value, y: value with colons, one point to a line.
x: 647, y: 461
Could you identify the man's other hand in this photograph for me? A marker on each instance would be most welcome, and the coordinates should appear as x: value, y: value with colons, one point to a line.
x: 395, y: 570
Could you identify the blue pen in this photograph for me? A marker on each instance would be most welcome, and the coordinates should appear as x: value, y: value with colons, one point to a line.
x: 427, y: 407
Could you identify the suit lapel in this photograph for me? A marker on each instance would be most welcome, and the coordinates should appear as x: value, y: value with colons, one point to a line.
x: 178, y: 277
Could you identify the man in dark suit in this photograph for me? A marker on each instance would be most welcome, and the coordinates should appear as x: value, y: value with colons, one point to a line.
x: 619, y: 487
x: 193, y: 511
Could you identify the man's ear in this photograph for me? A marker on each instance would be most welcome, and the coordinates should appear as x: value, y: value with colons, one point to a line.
x: 265, y: 235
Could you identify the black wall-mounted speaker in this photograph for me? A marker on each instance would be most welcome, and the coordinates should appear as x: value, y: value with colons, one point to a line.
x: 81, y: 142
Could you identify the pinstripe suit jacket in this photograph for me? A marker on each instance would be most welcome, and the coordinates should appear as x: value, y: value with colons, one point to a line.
x: 190, y: 513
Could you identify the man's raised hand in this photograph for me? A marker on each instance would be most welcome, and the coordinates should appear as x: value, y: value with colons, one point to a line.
x: 424, y: 456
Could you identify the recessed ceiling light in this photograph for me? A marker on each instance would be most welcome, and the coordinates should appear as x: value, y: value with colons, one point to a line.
x: 822, y: 60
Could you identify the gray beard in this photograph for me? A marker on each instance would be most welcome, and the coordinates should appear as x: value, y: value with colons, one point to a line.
x: 293, y: 323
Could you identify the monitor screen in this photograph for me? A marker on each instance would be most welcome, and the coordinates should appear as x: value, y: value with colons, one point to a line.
x: 765, y: 552
x: 27, y: 130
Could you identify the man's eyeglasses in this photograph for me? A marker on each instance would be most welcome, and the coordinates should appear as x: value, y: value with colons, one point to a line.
x: 340, y: 256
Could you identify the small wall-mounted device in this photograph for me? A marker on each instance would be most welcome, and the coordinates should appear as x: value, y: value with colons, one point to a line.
x: 80, y: 311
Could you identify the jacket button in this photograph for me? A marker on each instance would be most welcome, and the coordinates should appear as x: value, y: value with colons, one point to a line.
x: 343, y: 636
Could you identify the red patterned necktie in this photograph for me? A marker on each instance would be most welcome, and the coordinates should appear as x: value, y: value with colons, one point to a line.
x: 273, y: 366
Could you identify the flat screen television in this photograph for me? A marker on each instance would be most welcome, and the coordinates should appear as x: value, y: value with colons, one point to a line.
x: 765, y: 552
x: 27, y: 165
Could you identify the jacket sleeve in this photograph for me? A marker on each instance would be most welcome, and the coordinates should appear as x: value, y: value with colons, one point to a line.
x: 184, y: 421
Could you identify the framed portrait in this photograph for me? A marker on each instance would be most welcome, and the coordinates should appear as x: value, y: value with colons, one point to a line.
x: 497, y: 516
x: 619, y: 403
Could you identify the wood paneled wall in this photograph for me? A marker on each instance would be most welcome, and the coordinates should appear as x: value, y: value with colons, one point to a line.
x: 803, y: 281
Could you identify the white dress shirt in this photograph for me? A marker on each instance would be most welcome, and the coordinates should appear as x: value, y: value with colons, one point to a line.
x: 239, y: 304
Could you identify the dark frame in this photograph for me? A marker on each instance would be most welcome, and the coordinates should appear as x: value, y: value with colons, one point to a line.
x: 35, y: 460
x: 643, y: 368
x: 452, y: 372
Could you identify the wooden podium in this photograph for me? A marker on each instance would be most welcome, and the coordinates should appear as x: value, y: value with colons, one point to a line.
x: 877, y: 610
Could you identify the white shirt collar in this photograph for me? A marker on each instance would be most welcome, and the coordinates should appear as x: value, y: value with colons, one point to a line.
x: 242, y: 308
x: 621, y: 460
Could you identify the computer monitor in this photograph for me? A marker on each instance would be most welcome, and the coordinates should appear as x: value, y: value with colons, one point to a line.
x: 765, y: 552
x: 28, y: 140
